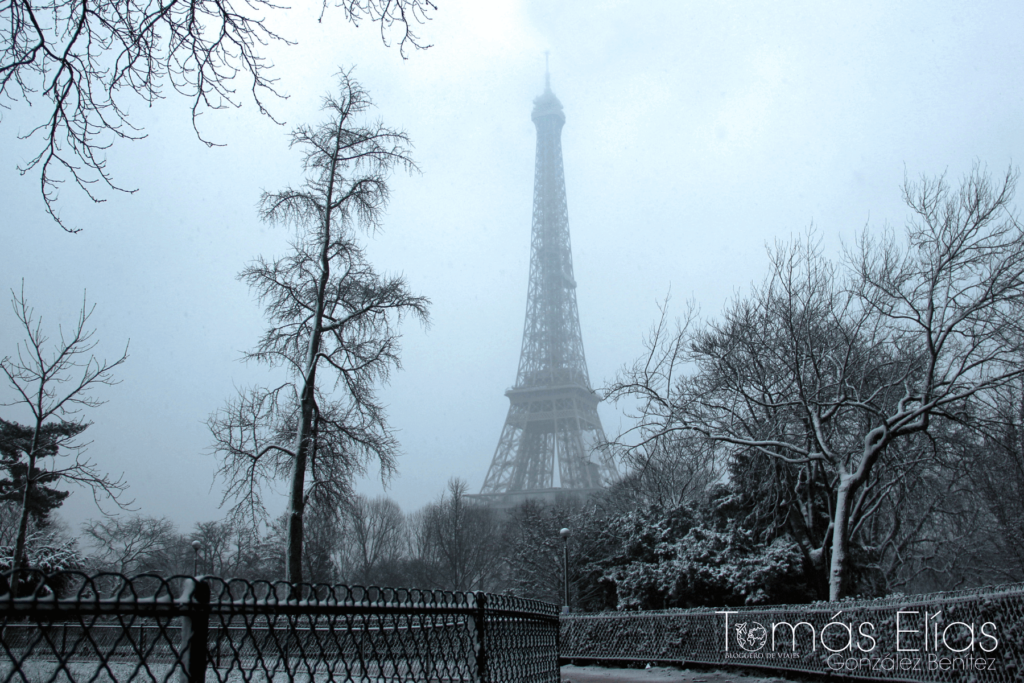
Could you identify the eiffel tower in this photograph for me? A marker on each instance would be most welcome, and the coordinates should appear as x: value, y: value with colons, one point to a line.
x: 552, y: 428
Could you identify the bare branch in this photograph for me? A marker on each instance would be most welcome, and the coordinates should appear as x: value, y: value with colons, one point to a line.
x: 330, y: 315
x: 55, y: 384
x: 88, y: 62
x: 831, y: 372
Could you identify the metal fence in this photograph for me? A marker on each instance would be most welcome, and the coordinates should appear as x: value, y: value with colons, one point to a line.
x: 112, y: 629
x: 973, y: 636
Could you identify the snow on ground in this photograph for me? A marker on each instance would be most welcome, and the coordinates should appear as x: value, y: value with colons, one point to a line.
x: 662, y: 674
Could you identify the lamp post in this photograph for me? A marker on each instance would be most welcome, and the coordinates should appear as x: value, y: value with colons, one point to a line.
x: 196, y: 545
x: 565, y: 533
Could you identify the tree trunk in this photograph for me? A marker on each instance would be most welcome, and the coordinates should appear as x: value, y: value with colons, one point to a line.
x: 19, y: 545
x: 307, y: 405
x: 296, y: 509
x: 840, y: 536
x: 297, y: 494
x: 813, y: 552
x: 296, y: 499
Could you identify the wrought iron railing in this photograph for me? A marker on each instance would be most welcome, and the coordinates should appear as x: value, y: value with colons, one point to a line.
x: 972, y: 636
x: 110, y: 628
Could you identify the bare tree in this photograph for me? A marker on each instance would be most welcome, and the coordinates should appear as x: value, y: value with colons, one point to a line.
x: 676, y: 469
x: 994, y: 467
x: 374, y: 539
x: 132, y: 545
x: 744, y: 386
x: 323, y: 534
x: 218, y: 547
x: 55, y: 386
x: 334, y: 325
x: 827, y: 372
x: 89, y: 61
x: 460, y: 542
x: 533, y: 551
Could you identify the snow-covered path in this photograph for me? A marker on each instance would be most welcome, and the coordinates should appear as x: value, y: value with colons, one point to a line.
x: 661, y: 674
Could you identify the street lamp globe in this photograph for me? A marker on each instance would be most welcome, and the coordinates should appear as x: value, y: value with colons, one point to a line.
x: 196, y: 545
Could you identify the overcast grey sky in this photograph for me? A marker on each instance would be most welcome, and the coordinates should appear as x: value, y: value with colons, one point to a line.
x: 695, y: 133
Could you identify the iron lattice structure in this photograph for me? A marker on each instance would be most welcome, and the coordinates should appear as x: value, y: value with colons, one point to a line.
x: 552, y: 416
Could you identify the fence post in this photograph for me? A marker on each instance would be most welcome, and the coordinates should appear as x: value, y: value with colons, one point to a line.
x: 195, y: 627
x: 481, y: 635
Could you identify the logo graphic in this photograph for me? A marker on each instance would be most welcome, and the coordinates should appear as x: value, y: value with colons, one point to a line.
x: 753, y: 638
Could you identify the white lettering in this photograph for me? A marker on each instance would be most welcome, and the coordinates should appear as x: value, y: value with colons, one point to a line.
x: 899, y: 630
x: 726, y: 628
x: 991, y: 636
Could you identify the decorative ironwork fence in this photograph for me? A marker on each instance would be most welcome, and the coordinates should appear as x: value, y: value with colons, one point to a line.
x: 113, y: 629
x: 974, y: 635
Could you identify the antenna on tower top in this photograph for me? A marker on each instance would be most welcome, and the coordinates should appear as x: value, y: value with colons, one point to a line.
x: 547, y: 73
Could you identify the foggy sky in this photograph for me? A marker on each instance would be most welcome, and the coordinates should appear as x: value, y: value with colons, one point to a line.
x: 695, y: 134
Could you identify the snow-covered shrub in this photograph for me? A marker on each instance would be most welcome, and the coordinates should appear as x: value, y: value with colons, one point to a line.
x: 681, y: 558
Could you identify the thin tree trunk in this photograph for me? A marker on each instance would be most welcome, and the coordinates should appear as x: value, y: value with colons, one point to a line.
x: 840, y: 536
x: 813, y: 555
x: 297, y: 502
x: 19, y: 545
x: 307, y: 400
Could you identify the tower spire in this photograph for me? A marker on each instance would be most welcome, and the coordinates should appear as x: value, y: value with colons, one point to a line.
x: 552, y: 418
x: 547, y: 71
